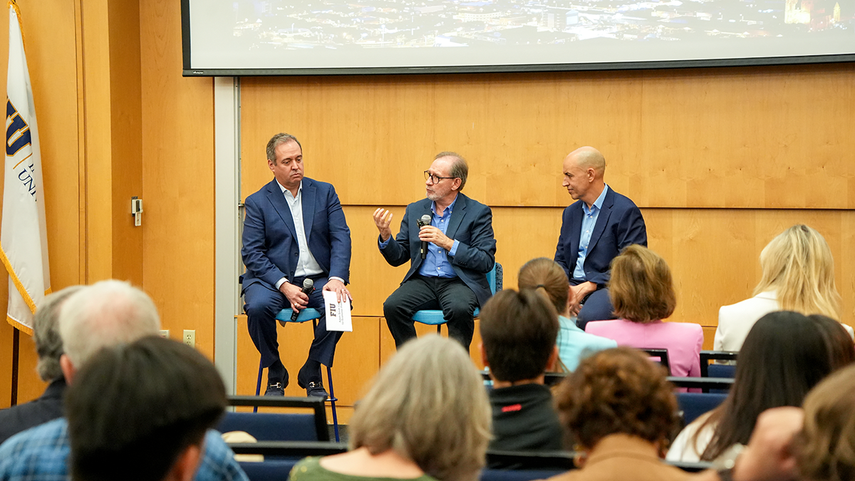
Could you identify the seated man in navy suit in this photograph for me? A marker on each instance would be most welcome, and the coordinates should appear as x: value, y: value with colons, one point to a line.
x: 460, y: 252
x: 593, y: 232
x: 294, y: 230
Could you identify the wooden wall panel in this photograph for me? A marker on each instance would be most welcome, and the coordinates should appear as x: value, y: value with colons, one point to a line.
x: 126, y: 138
x: 759, y: 137
x: 750, y: 137
x: 178, y: 179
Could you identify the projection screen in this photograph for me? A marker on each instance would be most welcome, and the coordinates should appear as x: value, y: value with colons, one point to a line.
x: 336, y: 37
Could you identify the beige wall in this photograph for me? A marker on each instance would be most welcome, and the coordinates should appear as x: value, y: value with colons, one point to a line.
x: 719, y: 160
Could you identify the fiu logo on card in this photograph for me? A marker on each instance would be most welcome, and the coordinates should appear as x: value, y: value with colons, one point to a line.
x: 19, y: 141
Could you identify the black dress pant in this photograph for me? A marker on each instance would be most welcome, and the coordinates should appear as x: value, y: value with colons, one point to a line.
x: 263, y: 303
x: 452, y: 296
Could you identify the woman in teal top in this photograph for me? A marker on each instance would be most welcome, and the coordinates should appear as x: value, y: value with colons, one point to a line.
x: 574, y: 344
x: 426, y: 418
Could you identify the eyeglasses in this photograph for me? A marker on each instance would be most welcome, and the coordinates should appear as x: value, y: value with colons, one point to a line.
x: 434, y: 178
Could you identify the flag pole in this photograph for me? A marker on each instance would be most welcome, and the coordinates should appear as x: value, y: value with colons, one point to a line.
x: 16, y: 338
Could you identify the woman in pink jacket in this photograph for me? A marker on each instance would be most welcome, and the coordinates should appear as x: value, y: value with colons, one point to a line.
x: 642, y: 293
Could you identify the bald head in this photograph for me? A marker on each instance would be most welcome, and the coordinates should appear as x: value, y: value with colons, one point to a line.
x: 588, y: 157
x: 583, y: 174
x: 105, y: 314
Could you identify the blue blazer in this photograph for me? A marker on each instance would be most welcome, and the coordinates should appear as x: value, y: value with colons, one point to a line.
x: 619, y: 225
x: 471, y: 225
x: 270, y: 249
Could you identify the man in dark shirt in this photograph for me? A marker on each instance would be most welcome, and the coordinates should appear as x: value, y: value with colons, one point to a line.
x: 518, y: 332
x: 49, y: 349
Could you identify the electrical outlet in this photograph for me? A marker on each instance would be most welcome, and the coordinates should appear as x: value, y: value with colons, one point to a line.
x: 164, y: 333
x: 190, y: 337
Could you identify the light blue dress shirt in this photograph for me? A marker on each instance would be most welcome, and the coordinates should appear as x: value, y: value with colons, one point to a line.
x: 589, y: 221
x: 575, y: 344
x: 436, y: 261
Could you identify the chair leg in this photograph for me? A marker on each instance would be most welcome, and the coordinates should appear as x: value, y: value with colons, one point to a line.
x: 258, y: 384
x: 332, y: 401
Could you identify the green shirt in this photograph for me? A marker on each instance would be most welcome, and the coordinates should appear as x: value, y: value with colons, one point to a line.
x: 310, y: 469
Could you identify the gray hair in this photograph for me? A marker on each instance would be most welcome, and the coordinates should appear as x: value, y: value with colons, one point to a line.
x: 105, y: 314
x: 428, y: 403
x: 277, y: 139
x: 459, y: 168
x: 46, y: 333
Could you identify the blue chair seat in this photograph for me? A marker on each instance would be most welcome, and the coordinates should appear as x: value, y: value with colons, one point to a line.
x: 694, y: 404
x: 271, y: 426
x: 433, y: 317
x: 307, y: 314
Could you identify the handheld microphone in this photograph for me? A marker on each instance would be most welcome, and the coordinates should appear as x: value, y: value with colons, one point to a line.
x: 423, y: 221
x: 308, y: 287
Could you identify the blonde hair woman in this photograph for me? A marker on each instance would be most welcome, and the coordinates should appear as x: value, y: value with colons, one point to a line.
x: 798, y: 275
x: 426, y: 417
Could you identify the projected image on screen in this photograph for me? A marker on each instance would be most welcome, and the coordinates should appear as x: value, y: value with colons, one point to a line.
x: 324, y: 34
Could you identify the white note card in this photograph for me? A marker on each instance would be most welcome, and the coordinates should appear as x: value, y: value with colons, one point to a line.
x: 338, y: 313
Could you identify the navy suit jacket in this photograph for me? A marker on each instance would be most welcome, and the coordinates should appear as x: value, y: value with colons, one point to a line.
x: 619, y: 224
x: 471, y: 225
x: 270, y: 250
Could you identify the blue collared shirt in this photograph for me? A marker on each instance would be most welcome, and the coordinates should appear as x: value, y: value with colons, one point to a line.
x: 575, y: 344
x: 436, y: 261
x: 41, y: 454
x: 588, y: 223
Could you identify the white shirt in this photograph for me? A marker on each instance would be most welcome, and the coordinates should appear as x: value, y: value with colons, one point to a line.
x: 736, y: 320
x: 306, y: 263
x: 684, y: 448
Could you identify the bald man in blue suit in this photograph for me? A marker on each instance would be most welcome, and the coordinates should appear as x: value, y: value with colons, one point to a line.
x: 594, y: 230
x: 294, y: 230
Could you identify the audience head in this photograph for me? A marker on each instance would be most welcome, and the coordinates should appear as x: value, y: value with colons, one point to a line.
x: 617, y: 390
x: 841, y: 347
x: 138, y: 411
x: 46, y: 333
x: 518, y: 333
x: 641, y: 288
x: 797, y: 265
x: 825, y: 448
x: 784, y: 355
x: 104, y: 314
x: 546, y: 276
x: 427, y: 403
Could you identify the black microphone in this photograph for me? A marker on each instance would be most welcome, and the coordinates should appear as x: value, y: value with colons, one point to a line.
x: 423, y: 221
x: 308, y: 287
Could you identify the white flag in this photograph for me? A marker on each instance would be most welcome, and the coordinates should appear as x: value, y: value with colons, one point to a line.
x: 23, y: 237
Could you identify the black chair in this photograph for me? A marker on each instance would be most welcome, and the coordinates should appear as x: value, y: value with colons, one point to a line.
x: 694, y: 404
x: 278, y: 426
x: 722, y: 383
x: 662, y: 355
x: 544, y: 460
x: 284, y: 456
x: 718, y: 370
